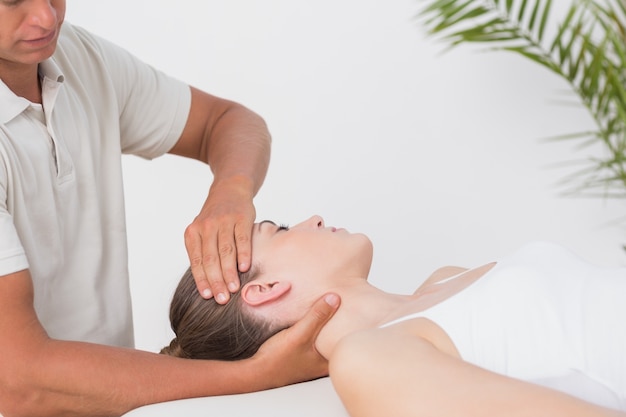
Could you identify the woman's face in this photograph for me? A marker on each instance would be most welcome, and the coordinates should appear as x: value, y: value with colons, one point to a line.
x: 309, y: 254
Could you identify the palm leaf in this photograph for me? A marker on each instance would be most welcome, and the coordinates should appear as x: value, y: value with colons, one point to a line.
x: 588, y: 50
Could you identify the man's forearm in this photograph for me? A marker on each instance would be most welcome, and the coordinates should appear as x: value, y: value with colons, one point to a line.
x: 232, y: 139
x: 239, y: 147
x: 81, y: 379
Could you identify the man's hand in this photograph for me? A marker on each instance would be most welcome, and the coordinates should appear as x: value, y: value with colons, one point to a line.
x: 219, y: 239
x: 290, y: 356
x: 235, y: 143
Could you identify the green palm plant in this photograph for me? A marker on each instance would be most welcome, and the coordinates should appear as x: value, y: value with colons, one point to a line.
x: 587, y: 49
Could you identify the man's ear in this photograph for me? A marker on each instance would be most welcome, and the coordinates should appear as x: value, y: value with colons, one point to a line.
x: 256, y: 293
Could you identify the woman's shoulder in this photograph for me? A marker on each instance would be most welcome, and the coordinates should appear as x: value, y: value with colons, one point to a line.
x: 383, y: 348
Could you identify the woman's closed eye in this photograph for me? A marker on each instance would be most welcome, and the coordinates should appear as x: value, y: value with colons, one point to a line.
x: 278, y: 228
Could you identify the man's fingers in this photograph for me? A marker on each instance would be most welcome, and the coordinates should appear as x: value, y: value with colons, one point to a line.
x: 322, y: 311
x: 219, y: 246
x: 193, y: 243
x: 213, y: 272
x: 205, y: 264
x: 228, y: 275
x: 243, y: 240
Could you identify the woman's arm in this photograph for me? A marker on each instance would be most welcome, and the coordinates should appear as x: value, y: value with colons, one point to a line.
x: 401, y: 371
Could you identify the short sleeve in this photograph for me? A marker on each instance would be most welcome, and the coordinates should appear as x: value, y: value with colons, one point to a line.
x: 12, y: 254
x: 153, y: 106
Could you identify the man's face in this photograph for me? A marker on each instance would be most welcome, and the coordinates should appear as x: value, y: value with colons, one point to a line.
x: 29, y: 30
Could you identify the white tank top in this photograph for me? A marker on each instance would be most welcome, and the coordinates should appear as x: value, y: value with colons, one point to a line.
x: 544, y: 315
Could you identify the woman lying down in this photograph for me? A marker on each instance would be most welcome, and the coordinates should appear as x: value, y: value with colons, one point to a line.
x: 538, y: 333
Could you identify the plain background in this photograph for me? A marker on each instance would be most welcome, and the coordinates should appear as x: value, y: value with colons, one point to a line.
x: 441, y: 158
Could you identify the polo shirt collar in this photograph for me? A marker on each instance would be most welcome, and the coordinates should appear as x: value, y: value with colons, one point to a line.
x: 12, y: 105
x: 50, y: 70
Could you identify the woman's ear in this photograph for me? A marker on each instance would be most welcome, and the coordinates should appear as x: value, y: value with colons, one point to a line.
x: 256, y: 293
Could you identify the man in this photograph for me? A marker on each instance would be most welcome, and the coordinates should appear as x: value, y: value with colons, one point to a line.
x: 70, y: 105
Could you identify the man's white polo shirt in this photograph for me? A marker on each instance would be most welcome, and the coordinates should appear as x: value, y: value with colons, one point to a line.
x: 61, y: 194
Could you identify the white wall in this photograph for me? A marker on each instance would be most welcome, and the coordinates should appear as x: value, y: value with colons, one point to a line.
x: 438, y: 158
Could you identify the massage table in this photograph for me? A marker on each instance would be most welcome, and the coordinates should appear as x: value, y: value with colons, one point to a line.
x: 308, y: 399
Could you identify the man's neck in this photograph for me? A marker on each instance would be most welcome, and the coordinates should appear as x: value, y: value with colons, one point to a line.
x: 22, y: 79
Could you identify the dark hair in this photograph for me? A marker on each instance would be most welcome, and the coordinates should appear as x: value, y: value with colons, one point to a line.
x: 205, y: 329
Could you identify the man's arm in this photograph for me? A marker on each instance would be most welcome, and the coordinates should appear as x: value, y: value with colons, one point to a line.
x: 46, y: 377
x: 235, y: 142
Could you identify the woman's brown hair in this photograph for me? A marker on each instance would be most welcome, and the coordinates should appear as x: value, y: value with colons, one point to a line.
x: 205, y: 329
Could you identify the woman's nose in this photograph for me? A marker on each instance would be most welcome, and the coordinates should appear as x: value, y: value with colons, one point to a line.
x: 316, y: 222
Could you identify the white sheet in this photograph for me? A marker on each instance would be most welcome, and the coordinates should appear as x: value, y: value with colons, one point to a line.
x: 308, y: 399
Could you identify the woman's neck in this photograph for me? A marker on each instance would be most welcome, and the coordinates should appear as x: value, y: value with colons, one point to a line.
x: 363, y: 306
